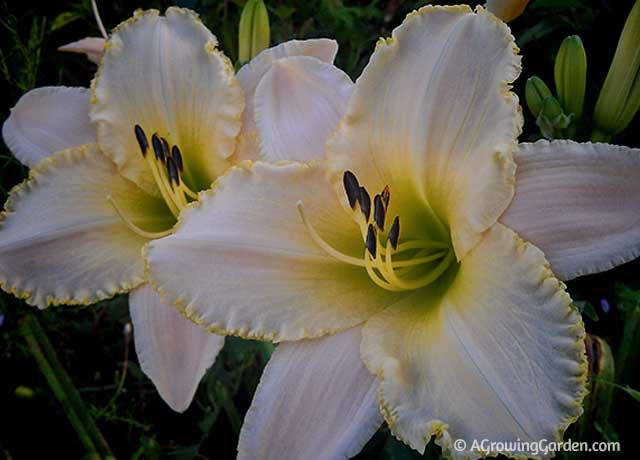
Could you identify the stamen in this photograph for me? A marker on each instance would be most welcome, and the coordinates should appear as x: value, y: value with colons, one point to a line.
x: 433, y: 275
x: 394, y: 233
x: 378, y: 212
x: 427, y: 259
x: 141, y: 137
x: 372, y: 240
x: 177, y: 157
x: 365, y: 203
x: 191, y: 194
x: 385, y: 196
x: 366, y: 263
x: 374, y: 276
x: 426, y: 280
x: 165, y: 147
x: 133, y: 227
x: 323, y: 244
x: 168, y: 178
x: 421, y: 244
x: 352, y: 187
x: 161, y: 182
x: 157, y: 147
x: 172, y: 171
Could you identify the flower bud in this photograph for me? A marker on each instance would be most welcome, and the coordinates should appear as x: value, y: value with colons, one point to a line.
x: 254, y: 32
x: 535, y: 92
x: 93, y: 47
x: 570, y: 74
x: 551, y: 120
x: 619, y: 98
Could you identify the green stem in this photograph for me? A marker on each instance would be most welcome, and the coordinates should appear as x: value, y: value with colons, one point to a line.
x: 232, y: 413
x: 64, y: 390
x: 629, y: 345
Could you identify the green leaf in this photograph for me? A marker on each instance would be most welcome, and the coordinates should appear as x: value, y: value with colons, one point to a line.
x: 541, y: 29
x: 607, y: 431
x: 63, y: 19
x: 635, y: 394
x: 628, y: 298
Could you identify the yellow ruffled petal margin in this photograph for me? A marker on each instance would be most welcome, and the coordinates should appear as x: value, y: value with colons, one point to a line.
x: 498, y: 355
x: 283, y: 243
x: 433, y: 116
x: 61, y: 241
x: 166, y: 74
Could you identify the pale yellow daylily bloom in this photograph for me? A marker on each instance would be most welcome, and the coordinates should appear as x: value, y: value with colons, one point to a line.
x: 507, y: 10
x: 114, y: 169
x: 392, y: 267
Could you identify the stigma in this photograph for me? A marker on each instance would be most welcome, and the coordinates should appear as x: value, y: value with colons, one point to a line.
x: 391, y: 264
x: 166, y: 165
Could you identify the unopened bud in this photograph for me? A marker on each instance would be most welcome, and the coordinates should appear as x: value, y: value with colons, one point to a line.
x: 254, y: 32
x: 619, y: 98
x: 570, y: 74
x: 551, y: 120
x: 93, y: 47
x: 535, y: 92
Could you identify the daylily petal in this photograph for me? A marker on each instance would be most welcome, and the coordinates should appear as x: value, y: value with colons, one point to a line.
x: 93, y: 47
x: 507, y: 10
x: 578, y: 203
x: 259, y: 274
x: 165, y: 74
x: 498, y: 356
x: 432, y: 117
x: 314, y: 396
x: 298, y: 103
x: 250, y: 74
x: 61, y: 240
x: 47, y: 120
x: 173, y: 352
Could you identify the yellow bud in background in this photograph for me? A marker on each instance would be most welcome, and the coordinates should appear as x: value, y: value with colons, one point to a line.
x: 570, y: 74
x: 254, y: 34
x: 619, y: 98
x: 24, y: 392
x: 507, y: 10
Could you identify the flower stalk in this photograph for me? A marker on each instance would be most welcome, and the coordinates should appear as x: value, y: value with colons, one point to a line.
x: 64, y: 390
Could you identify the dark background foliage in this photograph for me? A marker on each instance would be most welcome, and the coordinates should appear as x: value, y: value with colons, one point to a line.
x: 93, y: 344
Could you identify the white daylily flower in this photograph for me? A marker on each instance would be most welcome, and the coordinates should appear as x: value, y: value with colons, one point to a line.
x: 114, y: 168
x: 401, y: 248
